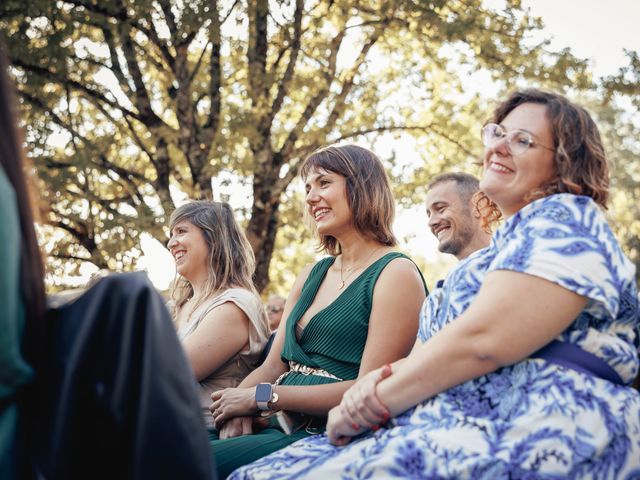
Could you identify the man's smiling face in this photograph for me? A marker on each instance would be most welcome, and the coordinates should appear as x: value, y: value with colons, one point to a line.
x: 450, y: 218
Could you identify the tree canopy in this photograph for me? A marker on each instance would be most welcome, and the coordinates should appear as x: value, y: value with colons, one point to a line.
x: 622, y: 130
x: 129, y: 103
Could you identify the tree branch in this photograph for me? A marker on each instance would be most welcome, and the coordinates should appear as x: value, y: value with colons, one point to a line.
x: 138, y: 140
x: 102, y: 8
x: 169, y: 18
x: 329, y: 76
x: 104, y: 162
x: 429, y: 128
x: 152, y: 35
x: 57, y: 119
x: 81, y: 234
x: 215, y: 72
x: 93, y: 95
x: 142, y: 103
x: 122, y: 172
x: 302, y: 153
x: 120, y: 16
x: 198, y: 63
x: 68, y: 256
x: 226, y: 17
x: 116, y: 67
x: 283, y: 87
x: 347, y: 84
x: 257, y: 53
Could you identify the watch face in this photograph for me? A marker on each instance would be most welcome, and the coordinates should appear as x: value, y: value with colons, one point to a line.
x: 263, y: 392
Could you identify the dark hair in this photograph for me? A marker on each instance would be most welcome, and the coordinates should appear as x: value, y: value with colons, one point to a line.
x: 368, y: 192
x: 31, y: 269
x: 467, y: 185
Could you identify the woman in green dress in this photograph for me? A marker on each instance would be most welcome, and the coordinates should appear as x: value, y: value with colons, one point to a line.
x: 348, y: 314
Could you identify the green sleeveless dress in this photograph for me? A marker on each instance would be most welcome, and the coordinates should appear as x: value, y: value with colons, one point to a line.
x: 333, y: 341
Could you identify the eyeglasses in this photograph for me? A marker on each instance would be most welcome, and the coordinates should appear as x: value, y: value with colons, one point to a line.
x: 518, y: 141
x: 273, y: 309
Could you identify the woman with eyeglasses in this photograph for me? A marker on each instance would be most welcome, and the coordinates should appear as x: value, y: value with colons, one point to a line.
x: 524, y: 370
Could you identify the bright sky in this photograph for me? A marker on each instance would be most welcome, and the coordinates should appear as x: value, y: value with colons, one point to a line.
x: 593, y: 29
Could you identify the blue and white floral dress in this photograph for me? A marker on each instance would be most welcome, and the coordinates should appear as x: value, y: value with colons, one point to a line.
x: 534, y: 419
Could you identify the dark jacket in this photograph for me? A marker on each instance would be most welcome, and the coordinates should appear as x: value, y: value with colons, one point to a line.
x: 117, y: 398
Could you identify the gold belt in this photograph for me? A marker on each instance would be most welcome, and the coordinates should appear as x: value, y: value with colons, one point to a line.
x: 306, y: 370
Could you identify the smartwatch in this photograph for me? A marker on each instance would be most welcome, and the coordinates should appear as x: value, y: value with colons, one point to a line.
x: 265, y: 396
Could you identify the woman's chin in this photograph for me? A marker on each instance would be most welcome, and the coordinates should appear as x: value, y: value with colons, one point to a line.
x: 323, y: 230
x: 182, y: 271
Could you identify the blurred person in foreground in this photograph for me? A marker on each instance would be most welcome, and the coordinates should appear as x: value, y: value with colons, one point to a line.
x: 91, y: 389
x: 22, y: 295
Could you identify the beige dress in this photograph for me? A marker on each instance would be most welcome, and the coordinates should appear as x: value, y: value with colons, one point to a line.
x: 232, y: 372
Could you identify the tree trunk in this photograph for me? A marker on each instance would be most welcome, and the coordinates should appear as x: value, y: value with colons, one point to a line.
x: 262, y: 228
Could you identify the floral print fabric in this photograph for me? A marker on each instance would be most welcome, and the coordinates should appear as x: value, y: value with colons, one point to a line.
x: 532, y: 419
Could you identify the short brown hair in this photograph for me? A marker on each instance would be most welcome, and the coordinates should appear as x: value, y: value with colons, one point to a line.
x: 368, y: 192
x: 466, y: 184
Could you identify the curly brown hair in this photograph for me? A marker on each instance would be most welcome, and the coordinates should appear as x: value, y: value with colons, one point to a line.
x: 581, y: 165
x: 487, y: 210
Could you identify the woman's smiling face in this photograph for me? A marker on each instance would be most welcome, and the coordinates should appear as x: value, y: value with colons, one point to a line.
x: 189, y: 249
x: 509, y: 179
x: 327, y: 201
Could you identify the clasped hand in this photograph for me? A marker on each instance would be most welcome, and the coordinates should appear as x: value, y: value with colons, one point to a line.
x: 359, y: 410
x: 232, y: 402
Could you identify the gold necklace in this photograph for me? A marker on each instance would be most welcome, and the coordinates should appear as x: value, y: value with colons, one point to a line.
x: 353, y: 269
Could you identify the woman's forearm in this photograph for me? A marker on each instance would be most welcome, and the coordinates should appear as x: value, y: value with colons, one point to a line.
x: 505, y: 324
x: 311, y: 399
x: 265, y: 373
x: 429, y: 371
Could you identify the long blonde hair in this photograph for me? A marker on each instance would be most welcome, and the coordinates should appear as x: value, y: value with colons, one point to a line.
x: 230, y: 260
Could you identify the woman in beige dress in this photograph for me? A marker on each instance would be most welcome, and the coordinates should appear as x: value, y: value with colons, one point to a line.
x: 219, y: 315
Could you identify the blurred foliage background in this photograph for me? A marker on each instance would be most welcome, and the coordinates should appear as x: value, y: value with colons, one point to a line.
x: 129, y: 107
